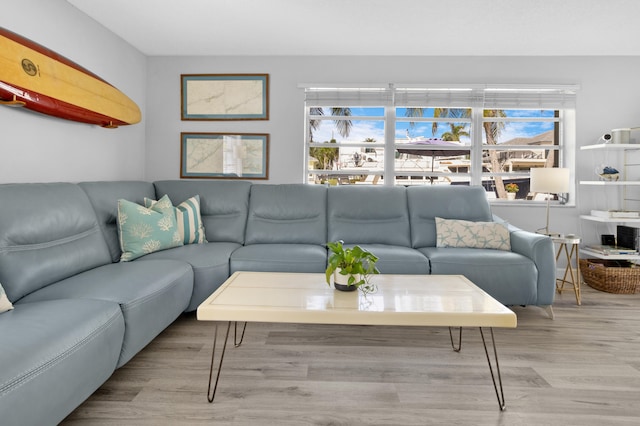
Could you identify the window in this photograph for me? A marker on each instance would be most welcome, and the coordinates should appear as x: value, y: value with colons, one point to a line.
x: 428, y: 135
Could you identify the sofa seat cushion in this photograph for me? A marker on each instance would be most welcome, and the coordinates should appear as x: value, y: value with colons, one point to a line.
x: 151, y: 294
x: 509, y: 277
x: 210, y: 264
x: 279, y: 258
x: 397, y: 259
x: 45, y: 344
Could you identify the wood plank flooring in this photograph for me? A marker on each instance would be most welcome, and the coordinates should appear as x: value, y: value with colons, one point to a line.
x: 583, y: 368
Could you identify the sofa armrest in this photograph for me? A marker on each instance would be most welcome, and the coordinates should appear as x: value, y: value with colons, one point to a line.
x: 539, y: 248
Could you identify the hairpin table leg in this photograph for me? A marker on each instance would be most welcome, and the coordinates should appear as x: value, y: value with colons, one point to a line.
x: 457, y: 349
x: 237, y: 343
x: 211, y: 395
x: 499, y: 394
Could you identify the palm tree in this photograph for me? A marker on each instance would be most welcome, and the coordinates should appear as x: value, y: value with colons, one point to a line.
x: 324, y: 157
x: 492, y: 131
x: 457, y: 130
x: 449, y: 113
x: 343, y: 126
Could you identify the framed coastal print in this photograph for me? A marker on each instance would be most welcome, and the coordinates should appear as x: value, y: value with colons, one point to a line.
x: 225, y: 96
x: 224, y: 155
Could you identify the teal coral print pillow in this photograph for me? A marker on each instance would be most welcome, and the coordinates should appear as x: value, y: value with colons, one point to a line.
x: 145, y: 230
x: 464, y: 233
x: 5, y: 304
x: 188, y: 218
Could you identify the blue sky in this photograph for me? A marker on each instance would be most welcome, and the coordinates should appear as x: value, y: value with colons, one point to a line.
x: 363, y: 129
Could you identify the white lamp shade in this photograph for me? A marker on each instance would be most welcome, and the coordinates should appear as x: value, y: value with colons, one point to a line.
x: 551, y: 180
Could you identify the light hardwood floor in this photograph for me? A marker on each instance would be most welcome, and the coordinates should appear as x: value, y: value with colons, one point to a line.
x: 583, y: 368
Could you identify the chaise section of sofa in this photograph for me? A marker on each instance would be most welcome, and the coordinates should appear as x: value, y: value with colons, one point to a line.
x: 54, y: 355
x: 73, y: 306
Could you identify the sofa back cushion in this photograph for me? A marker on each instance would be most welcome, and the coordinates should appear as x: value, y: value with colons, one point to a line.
x: 368, y: 215
x: 281, y: 214
x: 446, y: 201
x: 224, y: 205
x: 104, y: 198
x: 48, y: 232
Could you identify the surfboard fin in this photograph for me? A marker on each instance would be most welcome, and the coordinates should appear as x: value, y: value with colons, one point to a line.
x: 110, y: 125
x: 13, y: 102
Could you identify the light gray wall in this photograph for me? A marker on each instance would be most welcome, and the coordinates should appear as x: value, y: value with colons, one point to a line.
x: 39, y: 148
x: 609, y: 97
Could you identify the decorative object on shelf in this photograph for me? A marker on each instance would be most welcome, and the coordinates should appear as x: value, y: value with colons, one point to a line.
x: 549, y: 180
x: 224, y: 156
x: 44, y: 81
x: 351, y: 267
x: 606, y: 138
x: 621, y: 135
x: 224, y: 96
x: 608, y: 173
x: 512, y: 189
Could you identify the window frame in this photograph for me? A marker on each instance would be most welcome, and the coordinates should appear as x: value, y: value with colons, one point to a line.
x: 559, y: 98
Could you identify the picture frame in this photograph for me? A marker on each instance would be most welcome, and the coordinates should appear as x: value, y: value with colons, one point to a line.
x: 224, y: 96
x: 224, y: 155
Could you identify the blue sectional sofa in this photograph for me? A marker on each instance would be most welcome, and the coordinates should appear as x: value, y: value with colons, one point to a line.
x: 79, y: 313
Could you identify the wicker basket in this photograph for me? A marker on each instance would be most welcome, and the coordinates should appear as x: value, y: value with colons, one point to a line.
x: 612, y: 276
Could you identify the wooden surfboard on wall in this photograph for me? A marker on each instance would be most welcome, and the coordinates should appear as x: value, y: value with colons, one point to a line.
x: 41, y: 80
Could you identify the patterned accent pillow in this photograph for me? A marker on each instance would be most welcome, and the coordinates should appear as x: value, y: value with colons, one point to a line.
x: 5, y: 304
x: 144, y: 230
x: 188, y: 218
x: 464, y: 233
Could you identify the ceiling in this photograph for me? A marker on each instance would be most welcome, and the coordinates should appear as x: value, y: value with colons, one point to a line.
x: 372, y: 27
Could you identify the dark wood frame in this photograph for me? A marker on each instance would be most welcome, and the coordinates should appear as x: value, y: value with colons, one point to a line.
x: 229, y: 90
x: 219, y: 173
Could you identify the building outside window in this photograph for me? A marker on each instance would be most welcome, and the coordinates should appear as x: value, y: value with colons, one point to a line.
x: 437, y: 135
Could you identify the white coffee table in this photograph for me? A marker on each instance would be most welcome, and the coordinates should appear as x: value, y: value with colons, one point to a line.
x: 401, y: 300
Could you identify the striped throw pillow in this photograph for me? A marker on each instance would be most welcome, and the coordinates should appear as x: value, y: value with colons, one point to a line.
x: 189, y: 221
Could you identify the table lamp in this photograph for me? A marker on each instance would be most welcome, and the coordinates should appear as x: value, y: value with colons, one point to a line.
x: 549, y: 180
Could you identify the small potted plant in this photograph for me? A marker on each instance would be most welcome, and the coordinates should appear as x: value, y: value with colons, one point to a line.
x: 350, y: 267
x: 511, y: 189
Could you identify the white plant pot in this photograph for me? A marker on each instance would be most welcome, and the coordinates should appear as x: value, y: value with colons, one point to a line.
x: 341, y: 281
x: 511, y: 195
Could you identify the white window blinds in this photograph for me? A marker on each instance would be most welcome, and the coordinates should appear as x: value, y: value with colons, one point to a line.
x: 348, y: 96
x: 529, y: 97
x: 458, y: 96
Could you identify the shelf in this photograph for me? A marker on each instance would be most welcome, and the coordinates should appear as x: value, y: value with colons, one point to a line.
x: 585, y: 252
x: 610, y: 182
x: 611, y: 146
x: 609, y: 219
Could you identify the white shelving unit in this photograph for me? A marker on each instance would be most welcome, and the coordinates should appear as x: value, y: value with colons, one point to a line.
x: 623, y: 183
